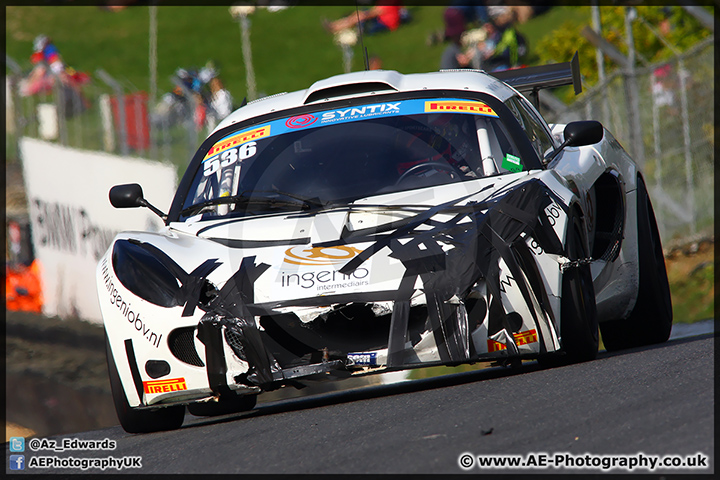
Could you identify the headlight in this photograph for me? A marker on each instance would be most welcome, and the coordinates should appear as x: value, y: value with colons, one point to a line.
x: 144, y: 274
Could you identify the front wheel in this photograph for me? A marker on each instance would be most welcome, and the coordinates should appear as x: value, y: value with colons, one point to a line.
x: 578, y: 312
x: 651, y: 319
x: 134, y: 420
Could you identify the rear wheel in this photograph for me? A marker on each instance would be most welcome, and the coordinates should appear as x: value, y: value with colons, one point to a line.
x: 226, y: 405
x: 140, y: 421
x: 651, y: 319
x: 578, y: 312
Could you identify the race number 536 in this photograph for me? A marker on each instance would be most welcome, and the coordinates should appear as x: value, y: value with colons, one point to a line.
x: 229, y: 157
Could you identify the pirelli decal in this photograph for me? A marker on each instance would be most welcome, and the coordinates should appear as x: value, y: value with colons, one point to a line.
x: 457, y: 106
x: 495, y: 346
x: 164, y: 386
x: 238, y: 139
x: 521, y: 338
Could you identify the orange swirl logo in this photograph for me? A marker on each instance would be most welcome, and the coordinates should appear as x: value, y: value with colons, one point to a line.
x: 320, y: 256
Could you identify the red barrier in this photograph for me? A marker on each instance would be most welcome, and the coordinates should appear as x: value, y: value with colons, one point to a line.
x: 137, y: 125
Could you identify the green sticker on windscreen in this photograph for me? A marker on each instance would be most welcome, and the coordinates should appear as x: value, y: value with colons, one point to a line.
x: 512, y: 163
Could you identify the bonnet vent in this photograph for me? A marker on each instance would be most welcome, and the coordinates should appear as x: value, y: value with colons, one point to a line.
x: 348, y: 89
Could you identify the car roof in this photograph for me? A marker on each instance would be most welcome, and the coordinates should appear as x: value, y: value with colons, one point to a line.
x: 371, y: 83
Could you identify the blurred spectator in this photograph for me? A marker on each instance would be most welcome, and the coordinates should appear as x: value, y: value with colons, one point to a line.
x: 474, y: 12
x: 46, y: 53
x: 49, y: 66
x: 200, y: 98
x: 117, y: 5
x: 665, y: 26
x: 475, y: 42
x: 661, y: 86
x: 511, y: 46
x: 220, y: 101
x: 386, y: 15
x: 48, y: 62
x: 480, y: 45
x: 375, y: 63
x: 453, y: 56
x: 522, y: 13
x: 183, y: 103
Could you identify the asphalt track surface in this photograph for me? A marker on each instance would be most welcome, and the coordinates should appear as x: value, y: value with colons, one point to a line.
x: 656, y: 400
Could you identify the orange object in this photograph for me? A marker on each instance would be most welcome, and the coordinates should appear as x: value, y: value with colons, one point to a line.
x: 23, y: 288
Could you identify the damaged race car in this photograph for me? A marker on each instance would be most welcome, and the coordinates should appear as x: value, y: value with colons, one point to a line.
x: 378, y: 222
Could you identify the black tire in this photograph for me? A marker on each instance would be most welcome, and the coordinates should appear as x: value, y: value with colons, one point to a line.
x: 578, y: 312
x: 650, y: 321
x: 226, y: 405
x: 133, y: 420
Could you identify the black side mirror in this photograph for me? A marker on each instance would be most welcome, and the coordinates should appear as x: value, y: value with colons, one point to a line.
x: 127, y: 196
x: 578, y: 134
x: 130, y: 195
x: 587, y: 132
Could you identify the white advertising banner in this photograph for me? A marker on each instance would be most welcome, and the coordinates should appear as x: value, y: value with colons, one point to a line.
x: 72, y: 221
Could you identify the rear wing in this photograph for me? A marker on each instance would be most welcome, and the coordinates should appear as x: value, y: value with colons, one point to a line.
x: 530, y: 80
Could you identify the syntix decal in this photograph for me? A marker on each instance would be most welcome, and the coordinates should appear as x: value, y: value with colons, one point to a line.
x: 361, y: 112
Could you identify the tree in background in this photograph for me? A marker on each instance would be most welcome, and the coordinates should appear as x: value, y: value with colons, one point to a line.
x: 679, y: 28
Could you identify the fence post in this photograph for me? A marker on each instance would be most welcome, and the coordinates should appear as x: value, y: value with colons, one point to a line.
x: 682, y: 74
x: 599, y: 59
x: 60, y: 108
x: 633, y: 95
x: 79, y: 110
x: 137, y: 106
x: 659, y: 214
x: 18, y: 119
x: 247, y: 57
x: 120, y: 95
x: 106, y: 122
x: 153, y: 77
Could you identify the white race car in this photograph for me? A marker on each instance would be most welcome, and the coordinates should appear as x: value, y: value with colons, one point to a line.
x: 377, y: 222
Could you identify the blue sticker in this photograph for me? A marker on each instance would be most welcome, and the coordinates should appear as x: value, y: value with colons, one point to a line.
x: 17, y: 444
x: 365, y: 359
x: 17, y: 462
x: 354, y: 114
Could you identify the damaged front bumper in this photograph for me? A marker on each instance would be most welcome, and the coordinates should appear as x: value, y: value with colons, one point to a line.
x: 481, y: 282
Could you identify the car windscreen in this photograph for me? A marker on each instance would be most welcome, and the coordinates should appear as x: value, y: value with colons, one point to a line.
x: 337, y: 156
